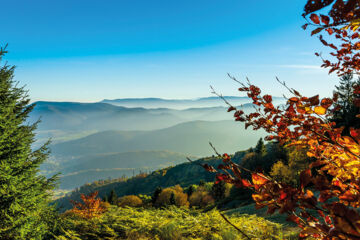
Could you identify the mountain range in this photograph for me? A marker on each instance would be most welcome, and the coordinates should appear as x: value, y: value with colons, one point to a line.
x: 90, y: 140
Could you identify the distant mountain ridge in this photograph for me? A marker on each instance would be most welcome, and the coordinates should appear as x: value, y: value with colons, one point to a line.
x: 89, y: 140
x: 190, y: 138
x: 213, y: 101
x: 91, y: 157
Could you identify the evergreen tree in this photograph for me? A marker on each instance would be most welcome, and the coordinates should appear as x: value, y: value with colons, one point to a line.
x: 24, y: 193
x: 345, y: 115
x: 218, y: 190
x: 113, y: 197
x: 156, y: 194
x: 260, y: 148
x: 190, y: 190
x: 172, y: 199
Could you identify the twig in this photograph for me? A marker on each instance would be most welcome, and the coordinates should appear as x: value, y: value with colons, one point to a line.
x: 238, y: 229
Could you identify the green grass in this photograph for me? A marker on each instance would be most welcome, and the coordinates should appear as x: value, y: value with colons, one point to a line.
x: 250, y: 209
x: 168, y: 224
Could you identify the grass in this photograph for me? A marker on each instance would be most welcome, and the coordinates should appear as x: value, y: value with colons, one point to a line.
x: 168, y: 224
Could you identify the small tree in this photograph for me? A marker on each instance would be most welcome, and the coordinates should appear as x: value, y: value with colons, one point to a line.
x: 201, y: 198
x: 113, y: 197
x: 260, y: 148
x: 345, y: 112
x: 156, y: 194
x: 24, y: 192
x: 165, y: 199
x: 91, y: 206
x: 191, y: 190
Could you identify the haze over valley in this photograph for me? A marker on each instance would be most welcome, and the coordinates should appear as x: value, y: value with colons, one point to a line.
x: 123, y: 137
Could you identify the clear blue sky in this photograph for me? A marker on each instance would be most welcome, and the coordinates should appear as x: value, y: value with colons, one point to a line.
x: 87, y: 50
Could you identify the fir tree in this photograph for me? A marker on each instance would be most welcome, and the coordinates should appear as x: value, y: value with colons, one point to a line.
x: 156, y: 194
x: 345, y: 115
x: 113, y: 197
x: 172, y: 199
x: 260, y: 147
x: 24, y: 193
x: 190, y: 190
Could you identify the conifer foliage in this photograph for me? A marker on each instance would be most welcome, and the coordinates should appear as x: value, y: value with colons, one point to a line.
x: 345, y: 111
x: 24, y: 193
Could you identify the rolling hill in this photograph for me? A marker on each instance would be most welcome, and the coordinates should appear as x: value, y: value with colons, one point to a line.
x: 190, y: 138
x: 77, y: 172
x: 180, y: 103
x: 184, y: 174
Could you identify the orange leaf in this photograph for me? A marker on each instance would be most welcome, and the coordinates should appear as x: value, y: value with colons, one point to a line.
x: 246, y: 183
x: 314, y: 100
x: 320, y: 110
x: 355, y: 133
x: 315, y: 18
x: 326, y: 103
x: 259, y: 179
x: 325, y: 19
x: 316, y: 31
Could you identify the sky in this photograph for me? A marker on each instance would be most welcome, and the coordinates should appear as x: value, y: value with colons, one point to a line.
x: 87, y: 50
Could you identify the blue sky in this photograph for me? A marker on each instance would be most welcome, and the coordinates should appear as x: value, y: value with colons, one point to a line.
x: 90, y: 50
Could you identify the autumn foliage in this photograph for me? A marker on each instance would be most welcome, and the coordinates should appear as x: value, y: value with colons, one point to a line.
x: 325, y: 203
x: 92, y: 207
x: 342, y: 23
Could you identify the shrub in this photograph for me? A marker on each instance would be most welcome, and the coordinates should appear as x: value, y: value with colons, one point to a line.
x: 92, y: 207
x: 201, y: 198
x: 179, y: 197
x: 130, y: 200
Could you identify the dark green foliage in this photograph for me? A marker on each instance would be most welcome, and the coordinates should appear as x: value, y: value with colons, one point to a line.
x: 190, y: 190
x: 274, y: 153
x: 288, y: 168
x: 201, y: 183
x: 218, y: 190
x: 172, y: 199
x: 113, y: 197
x: 263, y: 157
x: 260, y: 148
x: 156, y: 194
x: 345, y: 115
x: 24, y: 193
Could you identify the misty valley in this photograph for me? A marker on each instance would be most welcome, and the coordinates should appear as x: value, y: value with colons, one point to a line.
x: 122, y: 138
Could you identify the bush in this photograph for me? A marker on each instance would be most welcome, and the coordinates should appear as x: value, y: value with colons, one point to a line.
x: 130, y: 201
x: 172, y: 196
x: 201, y: 198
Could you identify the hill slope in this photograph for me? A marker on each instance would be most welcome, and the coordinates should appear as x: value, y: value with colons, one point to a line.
x: 184, y: 174
x: 190, y: 138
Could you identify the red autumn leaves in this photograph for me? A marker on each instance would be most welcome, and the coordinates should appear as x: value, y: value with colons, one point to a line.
x: 333, y: 174
x: 91, y: 206
x: 342, y: 20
